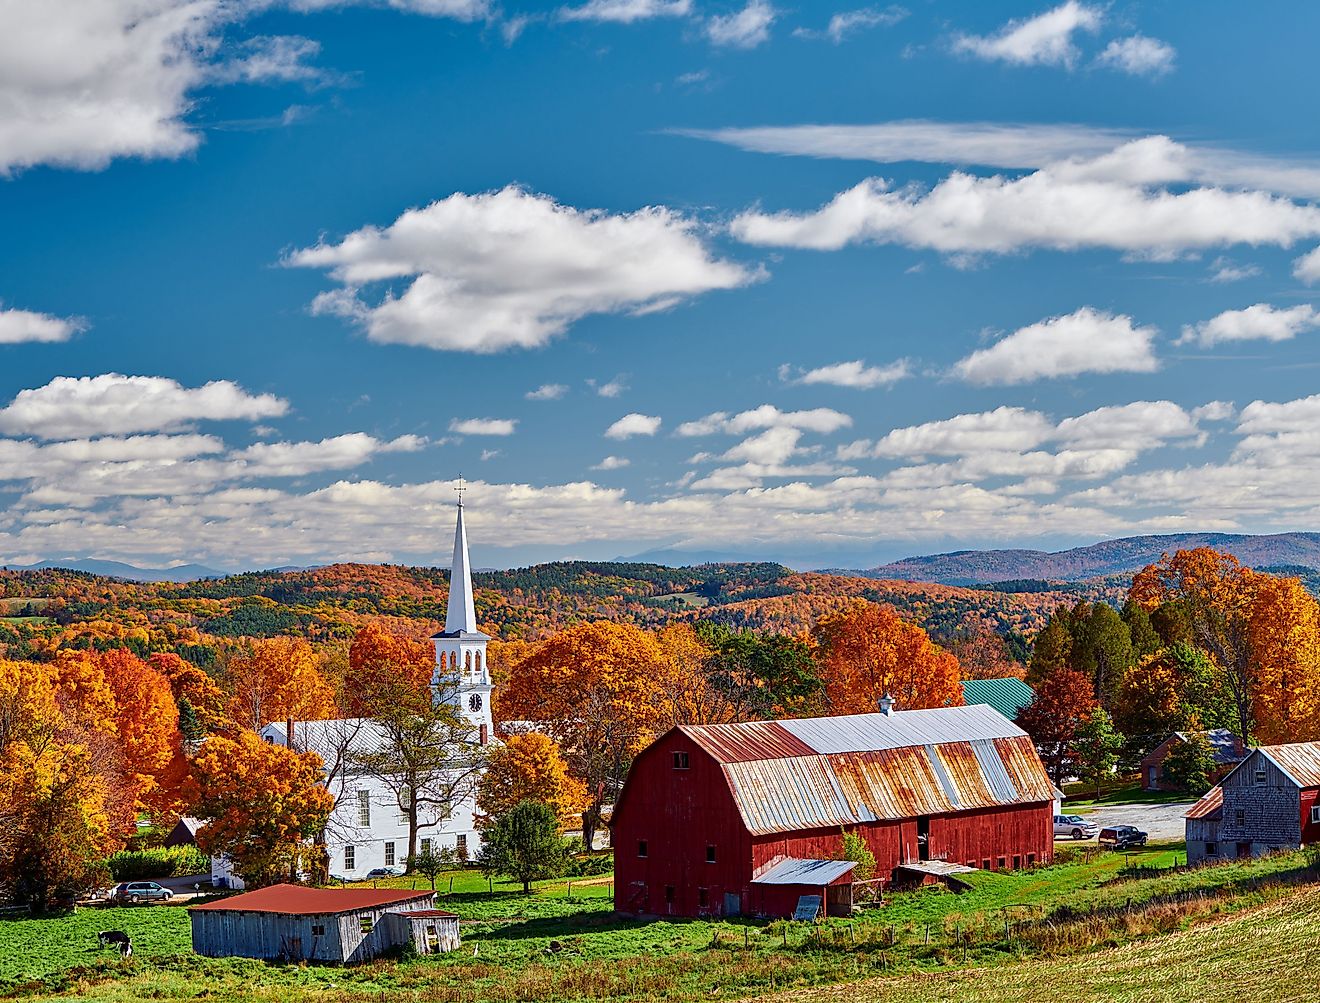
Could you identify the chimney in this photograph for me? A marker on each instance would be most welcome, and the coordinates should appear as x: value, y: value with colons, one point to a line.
x: 886, y: 705
x: 288, y: 733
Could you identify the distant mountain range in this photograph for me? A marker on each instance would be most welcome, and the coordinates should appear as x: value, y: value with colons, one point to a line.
x: 1112, y: 557
x: 130, y: 572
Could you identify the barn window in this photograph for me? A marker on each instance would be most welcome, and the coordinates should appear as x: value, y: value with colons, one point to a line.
x: 389, y: 854
x: 680, y: 760
x: 1017, y: 862
x: 368, y: 921
x: 641, y: 848
x: 702, y: 898
x: 985, y: 864
x: 364, y: 807
x: 1212, y: 849
x: 318, y: 929
x: 1315, y: 814
x: 710, y: 854
x: 1240, y: 817
x: 1001, y: 863
x: 669, y: 894
x: 1260, y: 778
x: 1031, y: 860
x: 350, y: 858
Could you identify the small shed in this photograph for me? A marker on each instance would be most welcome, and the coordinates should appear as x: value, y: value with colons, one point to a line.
x: 1202, y: 827
x: 184, y: 832
x: 347, y: 925
x: 780, y: 884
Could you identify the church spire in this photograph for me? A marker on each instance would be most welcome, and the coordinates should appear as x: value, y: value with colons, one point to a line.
x: 461, y: 616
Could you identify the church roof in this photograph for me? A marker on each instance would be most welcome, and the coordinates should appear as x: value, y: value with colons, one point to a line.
x: 461, y: 614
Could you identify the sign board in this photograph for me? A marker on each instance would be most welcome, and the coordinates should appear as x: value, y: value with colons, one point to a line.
x: 808, y: 909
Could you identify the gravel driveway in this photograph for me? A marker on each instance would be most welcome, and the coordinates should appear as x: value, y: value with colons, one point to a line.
x: 1162, y: 822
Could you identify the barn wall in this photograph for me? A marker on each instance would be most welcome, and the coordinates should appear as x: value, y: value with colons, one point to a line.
x: 679, y: 813
x: 998, y: 838
x: 1270, y: 813
x: 222, y: 934
x: 1310, y: 830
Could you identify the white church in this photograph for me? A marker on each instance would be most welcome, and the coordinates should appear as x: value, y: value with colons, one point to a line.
x: 366, y: 830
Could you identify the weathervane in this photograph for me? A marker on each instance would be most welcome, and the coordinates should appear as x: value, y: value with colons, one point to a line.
x: 460, y: 489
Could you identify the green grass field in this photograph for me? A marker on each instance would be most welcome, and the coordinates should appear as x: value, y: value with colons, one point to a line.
x: 603, y: 957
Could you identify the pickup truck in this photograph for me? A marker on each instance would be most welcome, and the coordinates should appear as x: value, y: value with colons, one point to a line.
x: 1074, y: 826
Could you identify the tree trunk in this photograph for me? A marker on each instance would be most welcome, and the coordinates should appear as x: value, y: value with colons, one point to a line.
x: 412, y: 834
x: 590, y: 822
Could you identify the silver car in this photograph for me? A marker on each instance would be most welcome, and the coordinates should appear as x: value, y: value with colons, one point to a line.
x: 1074, y: 826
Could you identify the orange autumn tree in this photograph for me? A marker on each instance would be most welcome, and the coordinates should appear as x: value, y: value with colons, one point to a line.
x: 279, y: 679
x: 593, y: 688
x: 1284, y: 635
x: 1063, y: 700
x: 381, y: 666
x: 84, y: 695
x: 865, y: 651
x: 188, y: 682
x: 684, y: 688
x: 261, y: 803
x: 531, y: 768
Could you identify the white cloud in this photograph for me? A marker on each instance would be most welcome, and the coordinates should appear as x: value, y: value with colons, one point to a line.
x: 1050, y: 208
x: 270, y: 57
x: 745, y: 29
x: 459, y: 10
x: 633, y: 424
x: 547, y: 392
x: 612, y: 463
x: 1043, y: 40
x: 612, y: 389
x: 1005, y: 429
x: 484, y: 426
x: 1215, y: 411
x: 1139, y: 425
x: 626, y: 11
x: 17, y: 326
x: 1259, y: 322
x: 512, y: 269
x: 1085, y: 341
x: 1139, y: 56
x: 1307, y: 267
x: 821, y: 419
x: 856, y: 374
x: 1225, y: 270
x: 849, y: 22
x: 113, y: 404
x: 295, y: 459
x: 490, y: 454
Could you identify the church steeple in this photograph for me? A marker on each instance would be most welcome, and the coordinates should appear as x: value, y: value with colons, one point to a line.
x: 461, y: 677
x: 461, y: 617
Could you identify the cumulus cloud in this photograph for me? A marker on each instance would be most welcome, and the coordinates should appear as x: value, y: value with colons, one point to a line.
x: 1085, y: 341
x: 484, y: 426
x: 1307, y: 267
x: 1138, y: 56
x: 512, y: 269
x: 1261, y: 322
x: 850, y: 22
x: 820, y: 419
x: 633, y: 424
x: 626, y: 11
x: 856, y: 374
x: 1043, y: 40
x: 612, y: 463
x: 17, y: 326
x: 295, y: 459
x: 1005, y: 429
x: 1223, y: 270
x: 113, y: 404
x: 612, y: 388
x: 547, y: 392
x: 745, y: 29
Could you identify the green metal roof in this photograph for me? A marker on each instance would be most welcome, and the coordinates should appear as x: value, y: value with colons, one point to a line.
x: 1008, y: 696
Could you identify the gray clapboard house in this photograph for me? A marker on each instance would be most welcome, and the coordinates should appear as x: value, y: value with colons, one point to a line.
x: 1267, y: 802
x: 346, y: 925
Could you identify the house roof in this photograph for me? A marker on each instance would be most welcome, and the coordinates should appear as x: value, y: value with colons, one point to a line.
x: 1008, y: 696
x: 1223, y: 743
x: 814, y: 773
x: 303, y: 901
x: 1299, y: 761
x: 1211, y: 805
x: 796, y: 871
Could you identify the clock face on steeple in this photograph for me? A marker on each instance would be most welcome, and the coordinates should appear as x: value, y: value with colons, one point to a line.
x: 474, y: 702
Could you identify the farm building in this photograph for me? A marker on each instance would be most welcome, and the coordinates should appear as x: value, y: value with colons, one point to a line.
x: 184, y: 832
x: 732, y: 819
x: 1008, y: 696
x: 1267, y: 802
x: 295, y: 923
x: 1226, y: 746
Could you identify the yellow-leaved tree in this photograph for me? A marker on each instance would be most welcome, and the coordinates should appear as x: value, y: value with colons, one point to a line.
x: 531, y: 767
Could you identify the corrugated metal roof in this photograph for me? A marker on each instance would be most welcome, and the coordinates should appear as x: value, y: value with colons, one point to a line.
x: 303, y: 901
x: 817, y: 773
x: 1223, y: 743
x: 1300, y: 760
x: 1210, y: 805
x: 1008, y: 696
x: 793, y: 871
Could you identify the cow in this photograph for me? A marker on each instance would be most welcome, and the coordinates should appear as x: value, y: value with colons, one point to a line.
x: 118, y: 938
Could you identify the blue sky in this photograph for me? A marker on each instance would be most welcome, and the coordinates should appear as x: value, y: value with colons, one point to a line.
x: 830, y: 284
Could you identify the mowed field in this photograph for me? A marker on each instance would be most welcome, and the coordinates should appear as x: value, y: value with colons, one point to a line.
x: 552, y: 946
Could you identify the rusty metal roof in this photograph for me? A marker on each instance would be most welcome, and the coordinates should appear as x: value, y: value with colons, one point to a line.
x: 1300, y: 761
x: 1210, y: 805
x: 816, y: 773
x: 303, y: 901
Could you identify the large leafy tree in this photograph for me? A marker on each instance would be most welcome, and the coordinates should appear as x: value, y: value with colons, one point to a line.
x: 984, y: 654
x: 1190, y: 764
x: 762, y: 675
x: 524, y: 843
x: 1173, y: 690
x: 278, y: 679
x: 381, y: 667
x: 1284, y: 634
x: 1095, y: 746
x: 531, y: 768
x: 1062, y: 702
x: 866, y: 651
x: 148, y: 728
x: 261, y: 802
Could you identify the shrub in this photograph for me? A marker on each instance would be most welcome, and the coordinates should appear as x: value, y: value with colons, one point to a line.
x: 162, y: 862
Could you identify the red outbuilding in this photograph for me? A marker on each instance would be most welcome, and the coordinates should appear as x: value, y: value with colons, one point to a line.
x: 744, y: 819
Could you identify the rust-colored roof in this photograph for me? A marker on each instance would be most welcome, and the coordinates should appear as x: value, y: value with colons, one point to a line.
x: 820, y: 773
x: 1300, y: 760
x: 303, y: 901
x: 1210, y: 805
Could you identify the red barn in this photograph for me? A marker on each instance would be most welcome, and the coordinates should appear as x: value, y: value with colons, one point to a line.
x: 735, y: 819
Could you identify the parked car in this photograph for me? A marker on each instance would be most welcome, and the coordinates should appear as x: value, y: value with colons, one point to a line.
x: 1074, y: 826
x: 384, y: 872
x: 142, y: 891
x: 1122, y: 837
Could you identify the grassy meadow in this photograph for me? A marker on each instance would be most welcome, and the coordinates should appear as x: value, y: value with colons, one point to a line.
x: 1085, y: 902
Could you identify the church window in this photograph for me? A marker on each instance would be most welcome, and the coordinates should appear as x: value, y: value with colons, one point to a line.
x: 350, y: 858
x: 467, y: 662
x: 426, y: 844
x: 389, y: 854
x: 474, y: 702
x: 364, y: 807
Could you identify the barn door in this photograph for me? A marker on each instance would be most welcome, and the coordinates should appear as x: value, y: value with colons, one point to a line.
x: 923, y: 838
x: 732, y: 904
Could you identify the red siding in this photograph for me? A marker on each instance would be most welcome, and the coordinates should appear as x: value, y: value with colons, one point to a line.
x: 1310, y: 830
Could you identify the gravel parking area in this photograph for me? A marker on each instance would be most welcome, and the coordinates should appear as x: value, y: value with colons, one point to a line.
x: 1161, y: 822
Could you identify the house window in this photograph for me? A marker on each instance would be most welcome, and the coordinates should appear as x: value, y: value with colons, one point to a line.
x: 1212, y: 849
x: 318, y: 929
x: 680, y: 760
x: 1260, y: 778
x: 710, y: 854
x: 426, y: 844
x: 364, y: 807
x: 389, y: 854
x: 702, y: 898
x: 460, y: 846
x: 1240, y: 817
x: 641, y: 848
x: 1315, y: 814
x: 350, y: 858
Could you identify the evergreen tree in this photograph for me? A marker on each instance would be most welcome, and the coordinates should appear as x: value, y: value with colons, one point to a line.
x: 189, y: 726
x: 1101, y: 649
x: 1145, y: 639
x: 525, y: 844
x: 1189, y: 765
x: 1051, y: 650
